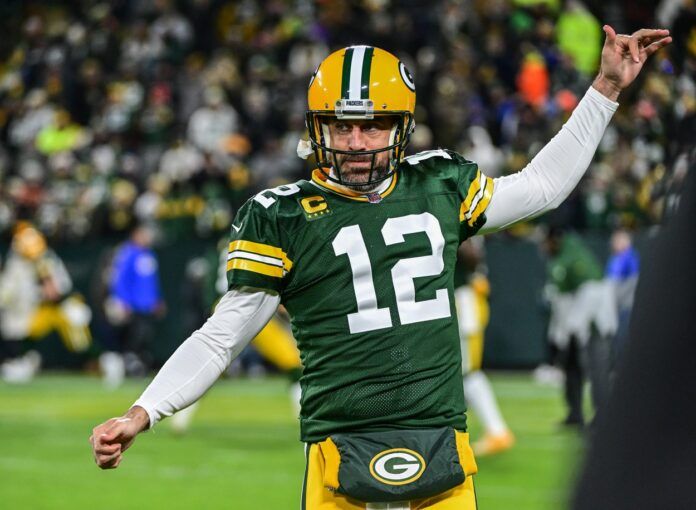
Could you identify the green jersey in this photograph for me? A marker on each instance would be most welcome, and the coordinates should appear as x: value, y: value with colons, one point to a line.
x: 574, y: 265
x: 368, y: 282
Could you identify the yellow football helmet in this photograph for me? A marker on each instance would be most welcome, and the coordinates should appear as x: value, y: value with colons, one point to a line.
x: 360, y: 82
x: 28, y: 241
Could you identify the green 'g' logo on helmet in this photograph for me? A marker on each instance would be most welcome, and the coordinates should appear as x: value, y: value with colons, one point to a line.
x: 398, y: 466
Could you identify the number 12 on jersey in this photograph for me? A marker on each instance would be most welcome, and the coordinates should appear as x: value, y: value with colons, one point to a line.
x: 349, y: 241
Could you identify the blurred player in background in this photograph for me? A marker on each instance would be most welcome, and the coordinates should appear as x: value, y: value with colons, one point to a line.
x: 583, y: 320
x: 105, y: 324
x: 135, y: 303
x: 471, y: 291
x: 345, y: 252
x: 622, y: 271
x: 36, y: 299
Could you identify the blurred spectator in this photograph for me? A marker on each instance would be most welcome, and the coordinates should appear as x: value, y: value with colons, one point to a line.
x: 180, y: 162
x: 36, y: 115
x: 579, y: 35
x: 135, y: 302
x: 190, y: 85
x: 140, y: 49
x: 171, y: 29
x: 139, y: 93
x: 533, y: 80
x: 479, y: 148
x: 211, y: 123
x: 61, y: 135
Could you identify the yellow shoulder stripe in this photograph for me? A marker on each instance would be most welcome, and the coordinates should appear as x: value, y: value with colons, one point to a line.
x: 255, y: 267
x: 262, y: 249
x: 474, y: 188
x: 477, y: 199
x: 483, y: 203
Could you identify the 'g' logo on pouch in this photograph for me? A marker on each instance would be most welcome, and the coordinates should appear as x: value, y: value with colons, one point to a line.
x: 397, y: 467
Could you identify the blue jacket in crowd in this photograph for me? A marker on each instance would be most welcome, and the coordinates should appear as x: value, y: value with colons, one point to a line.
x: 623, y: 265
x: 135, y: 279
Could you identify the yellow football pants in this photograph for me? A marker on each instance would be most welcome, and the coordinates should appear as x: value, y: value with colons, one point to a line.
x: 50, y: 317
x: 315, y: 496
x: 474, y: 340
x: 275, y: 343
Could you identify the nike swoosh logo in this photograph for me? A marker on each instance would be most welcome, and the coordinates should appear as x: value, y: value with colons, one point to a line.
x: 237, y: 228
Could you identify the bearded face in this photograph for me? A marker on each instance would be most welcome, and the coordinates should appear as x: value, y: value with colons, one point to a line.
x: 361, y: 135
x: 355, y: 170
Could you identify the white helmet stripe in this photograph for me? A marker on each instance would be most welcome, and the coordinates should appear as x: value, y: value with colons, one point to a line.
x: 356, y: 66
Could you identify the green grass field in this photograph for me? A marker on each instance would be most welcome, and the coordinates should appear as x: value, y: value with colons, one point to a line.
x: 242, y: 451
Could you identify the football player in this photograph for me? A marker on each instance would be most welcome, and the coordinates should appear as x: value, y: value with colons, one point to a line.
x: 36, y: 299
x: 471, y: 289
x: 362, y: 257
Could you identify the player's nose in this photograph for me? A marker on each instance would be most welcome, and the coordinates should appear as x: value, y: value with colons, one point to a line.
x: 356, y: 141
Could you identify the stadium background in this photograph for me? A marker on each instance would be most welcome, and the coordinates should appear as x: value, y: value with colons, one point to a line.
x: 114, y: 112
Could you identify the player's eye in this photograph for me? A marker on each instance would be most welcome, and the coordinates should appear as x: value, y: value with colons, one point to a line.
x: 377, y: 126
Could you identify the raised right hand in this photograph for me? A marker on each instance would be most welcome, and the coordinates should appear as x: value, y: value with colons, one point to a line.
x: 623, y: 57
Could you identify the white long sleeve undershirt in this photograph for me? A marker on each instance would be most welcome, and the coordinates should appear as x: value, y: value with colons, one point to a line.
x: 555, y: 171
x: 203, y: 357
x: 243, y: 312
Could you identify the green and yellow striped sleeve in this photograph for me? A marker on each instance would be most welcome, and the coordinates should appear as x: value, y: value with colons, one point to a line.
x: 476, y: 190
x: 256, y: 256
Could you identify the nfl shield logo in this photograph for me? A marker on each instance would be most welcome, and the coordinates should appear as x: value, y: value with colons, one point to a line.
x: 374, y: 198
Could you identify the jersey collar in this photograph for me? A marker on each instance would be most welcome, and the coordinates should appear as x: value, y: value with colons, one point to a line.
x: 319, y: 179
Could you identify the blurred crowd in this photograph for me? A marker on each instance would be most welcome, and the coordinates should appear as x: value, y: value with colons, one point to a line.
x: 120, y: 112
